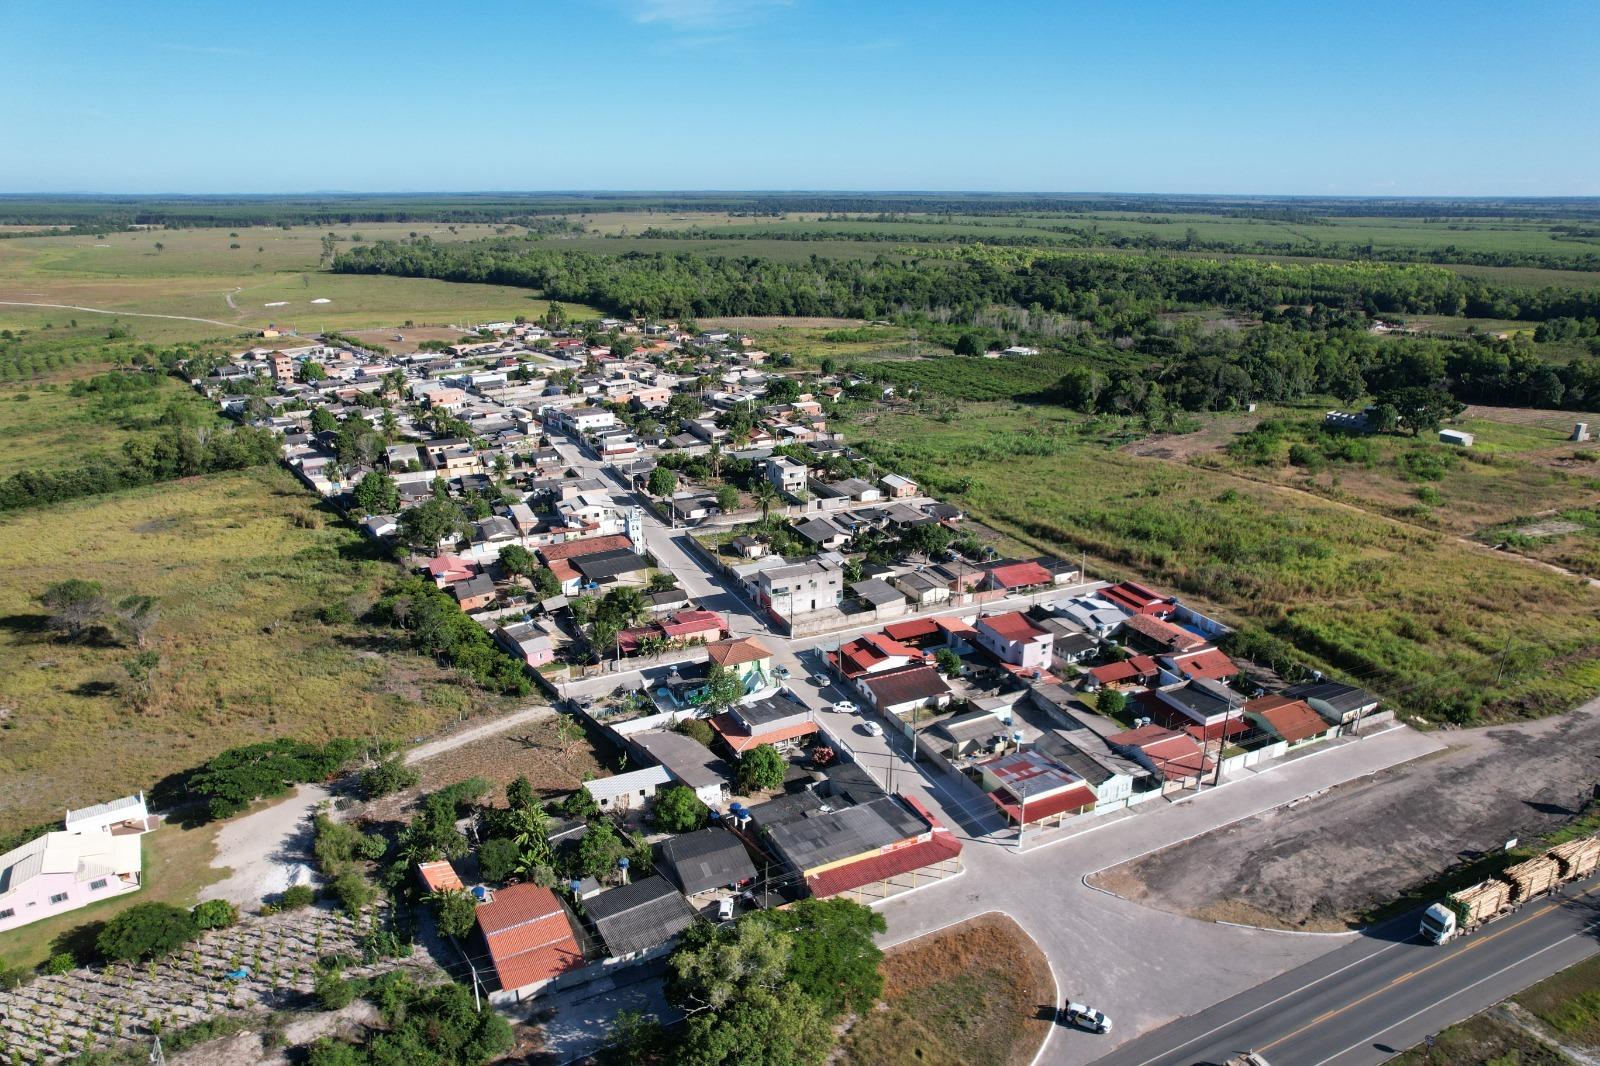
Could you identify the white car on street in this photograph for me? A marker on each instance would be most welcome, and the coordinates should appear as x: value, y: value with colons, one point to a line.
x: 846, y: 707
x: 1086, y: 1017
x: 872, y: 729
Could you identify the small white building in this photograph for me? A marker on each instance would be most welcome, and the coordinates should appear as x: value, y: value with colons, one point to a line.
x: 629, y: 791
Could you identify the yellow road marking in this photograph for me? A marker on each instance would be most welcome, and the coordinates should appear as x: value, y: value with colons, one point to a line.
x: 1421, y: 970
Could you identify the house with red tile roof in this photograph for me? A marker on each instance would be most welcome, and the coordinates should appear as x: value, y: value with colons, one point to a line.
x: 872, y: 653
x: 1137, y: 599
x: 1136, y: 671
x: 1289, y: 720
x: 1014, y: 639
x: 569, y: 549
x: 687, y: 626
x: 1030, y: 788
x: 446, y: 570
x: 1012, y: 577
x: 1209, y: 663
x: 529, y: 938
x: 776, y: 719
x: 439, y: 876
x: 1174, y: 755
x: 929, y: 634
x: 1160, y: 635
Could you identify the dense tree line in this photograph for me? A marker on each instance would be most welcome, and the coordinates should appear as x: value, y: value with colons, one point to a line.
x: 965, y: 279
x: 438, y: 627
x: 180, y: 451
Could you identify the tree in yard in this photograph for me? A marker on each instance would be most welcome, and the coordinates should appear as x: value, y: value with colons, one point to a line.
x: 324, y: 421
x: 760, y: 1028
x: 1422, y: 408
x: 948, y: 661
x: 697, y: 729
x: 715, y: 965
x: 580, y: 804
x: 1111, y: 702
x: 423, y: 527
x: 661, y: 581
x: 834, y: 960
x: 678, y: 810
x: 724, y: 688
x: 78, y: 608
x: 599, y: 850
x: 727, y: 499
x: 146, y: 931
x: 764, y: 494
x: 376, y: 493
x: 1383, y: 418
x: 214, y: 914
x: 625, y: 606
x: 457, y: 913
x: 663, y: 482
x: 519, y: 793
x: 498, y: 859
x: 518, y: 561
x: 546, y: 583
x: 762, y: 768
x: 635, y: 1039
x: 966, y: 344
x: 390, y: 775
x: 311, y: 370
x: 530, y: 826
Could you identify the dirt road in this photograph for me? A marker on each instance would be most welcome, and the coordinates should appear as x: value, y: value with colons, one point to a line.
x: 269, y: 849
x: 1319, y: 864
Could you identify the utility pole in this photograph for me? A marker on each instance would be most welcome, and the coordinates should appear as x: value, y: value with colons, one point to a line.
x: 1501, y: 669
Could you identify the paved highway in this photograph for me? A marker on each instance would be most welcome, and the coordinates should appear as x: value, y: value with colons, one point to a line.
x: 1382, y: 994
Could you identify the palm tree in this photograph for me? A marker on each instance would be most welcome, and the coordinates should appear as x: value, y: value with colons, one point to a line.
x: 765, y: 495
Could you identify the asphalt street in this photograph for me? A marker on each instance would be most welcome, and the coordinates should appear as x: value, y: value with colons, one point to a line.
x: 1382, y: 994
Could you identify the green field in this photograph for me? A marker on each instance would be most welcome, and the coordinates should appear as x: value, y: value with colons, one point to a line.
x: 1420, y: 616
x: 196, y: 274
x: 48, y: 427
x: 241, y: 566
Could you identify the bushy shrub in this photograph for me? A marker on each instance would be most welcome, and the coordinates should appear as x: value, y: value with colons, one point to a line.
x: 214, y: 914
x: 146, y: 931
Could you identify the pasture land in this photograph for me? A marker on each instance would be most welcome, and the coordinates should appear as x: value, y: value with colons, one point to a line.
x: 978, y: 993
x: 1438, y: 625
x: 198, y: 274
x: 255, y: 585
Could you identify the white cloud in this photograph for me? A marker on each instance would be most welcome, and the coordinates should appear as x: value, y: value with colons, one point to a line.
x: 700, y: 14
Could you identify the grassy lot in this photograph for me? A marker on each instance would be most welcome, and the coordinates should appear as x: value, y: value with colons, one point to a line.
x: 1510, y: 470
x: 197, y: 273
x: 177, y: 865
x: 241, y: 564
x: 1419, y: 616
x: 1569, y: 1003
x: 976, y: 994
x: 46, y: 426
x: 1484, y: 1041
x: 844, y: 342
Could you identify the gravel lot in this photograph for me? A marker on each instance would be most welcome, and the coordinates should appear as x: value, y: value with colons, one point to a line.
x: 1318, y: 865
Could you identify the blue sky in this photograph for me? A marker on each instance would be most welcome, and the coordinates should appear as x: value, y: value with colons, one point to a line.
x: 1349, y: 98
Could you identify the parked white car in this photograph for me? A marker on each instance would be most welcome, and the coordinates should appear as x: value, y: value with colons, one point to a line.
x: 846, y: 707
x: 872, y: 729
x: 1086, y: 1017
x: 725, y: 909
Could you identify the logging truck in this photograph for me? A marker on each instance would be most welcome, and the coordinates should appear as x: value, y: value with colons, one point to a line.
x: 1467, y: 909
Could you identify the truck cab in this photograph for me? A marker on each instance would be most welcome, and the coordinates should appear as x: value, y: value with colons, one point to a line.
x: 1438, y: 924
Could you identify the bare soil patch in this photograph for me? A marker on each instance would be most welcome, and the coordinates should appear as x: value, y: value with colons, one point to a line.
x: 1325, y: 864
x: 977, y: 993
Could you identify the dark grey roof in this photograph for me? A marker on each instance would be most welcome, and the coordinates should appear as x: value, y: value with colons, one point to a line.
x: 1340, y: 697
x: 1204, y: 698
x: 824, y: 836
x: 482, y: 585
x: 851, y: 782
x: 686, y: 759
x: 611, y: 563
x: 710, y: 858
x: 818, y: 530
x: 760, y: 715
x: 639, y: 916
x: 666, y: 597
x: 783, y: 809
x: 1074, y: 758
x: 877, y: 592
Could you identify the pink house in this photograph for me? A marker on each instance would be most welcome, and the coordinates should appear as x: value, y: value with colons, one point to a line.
x: 96, y: 856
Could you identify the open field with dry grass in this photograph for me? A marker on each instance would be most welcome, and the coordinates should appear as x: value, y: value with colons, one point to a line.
x: 239, y: 565
x: 976, y: 994
x: 198, y: 273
